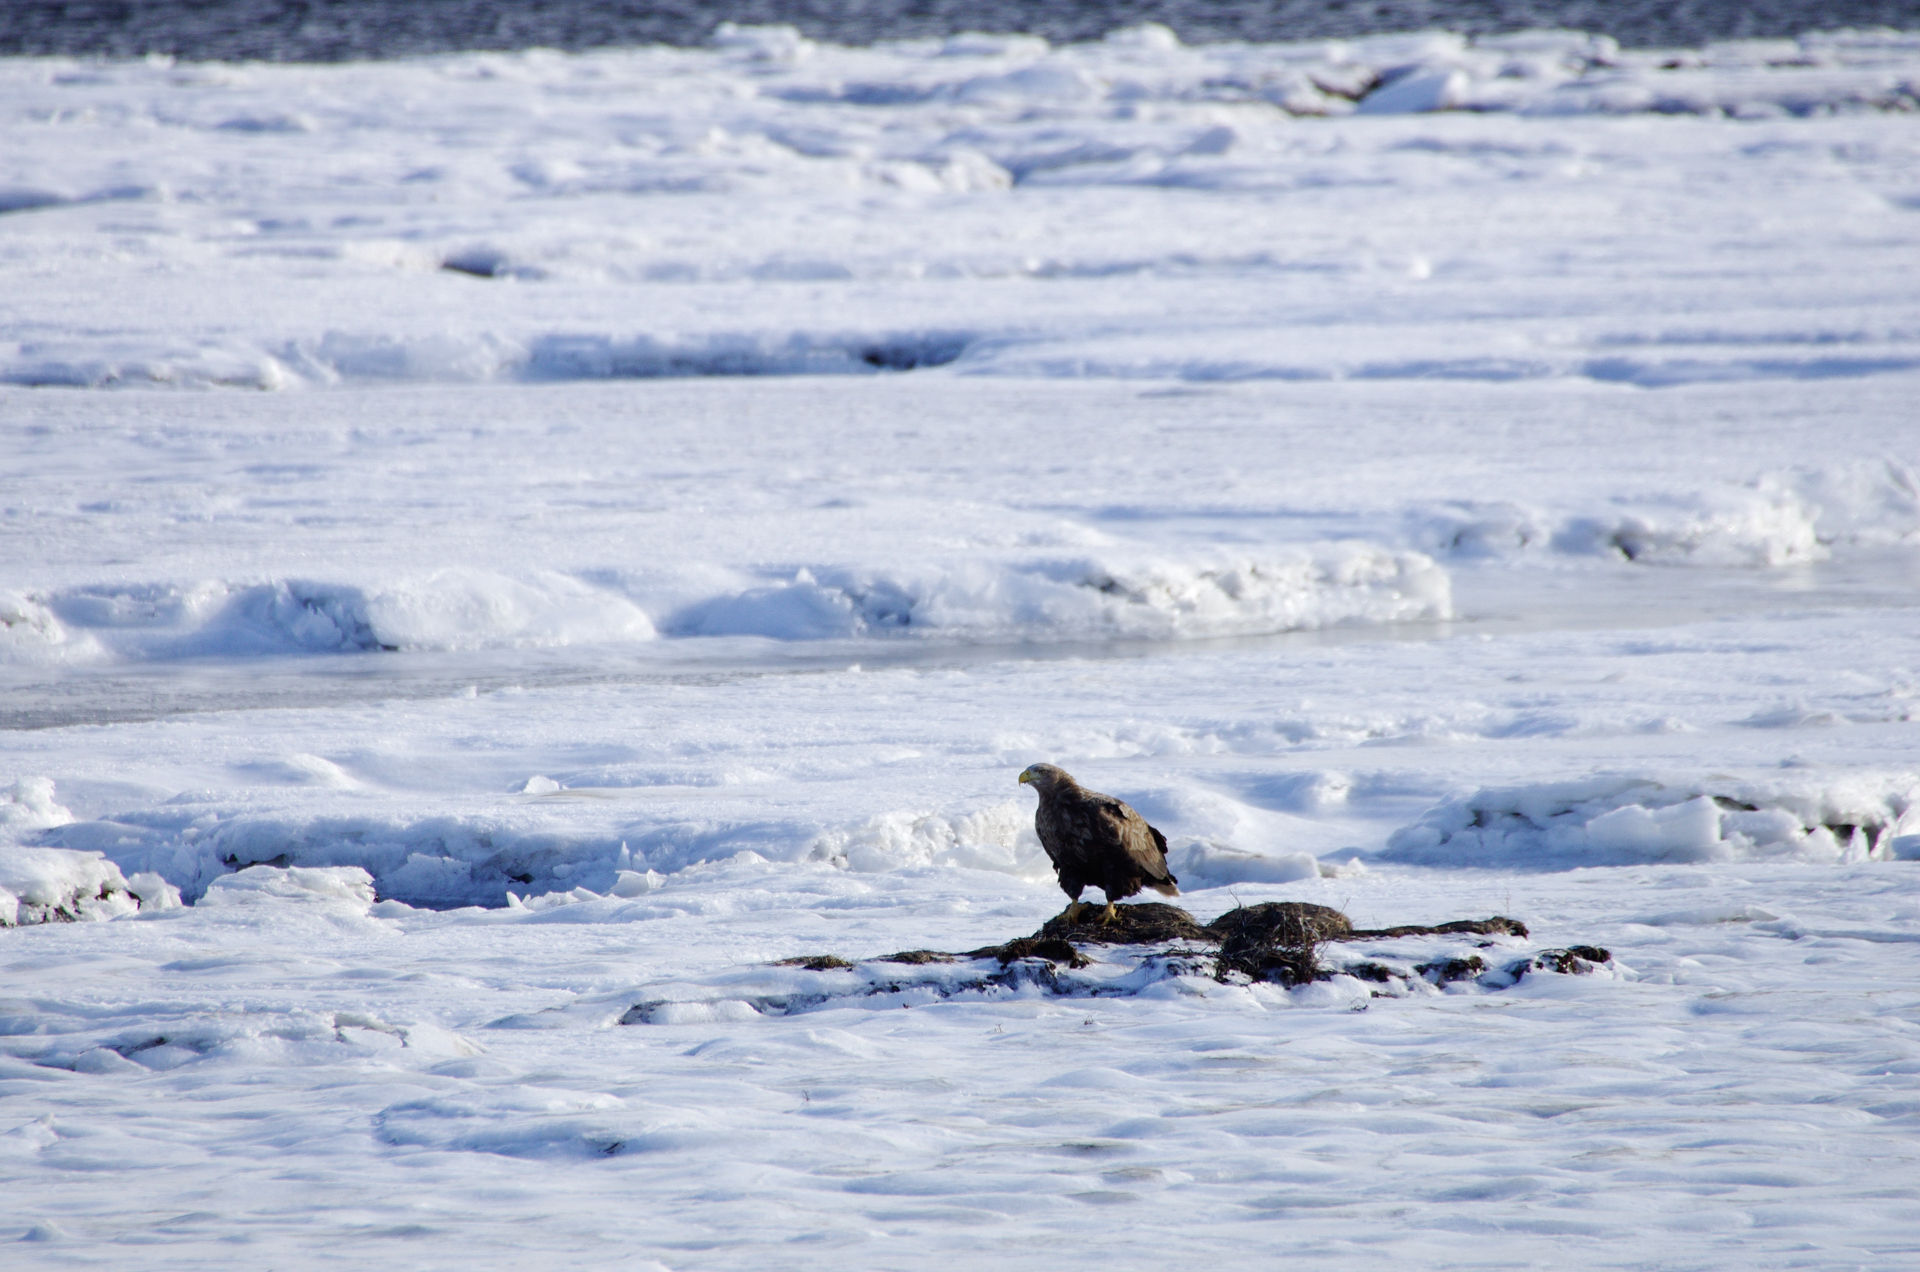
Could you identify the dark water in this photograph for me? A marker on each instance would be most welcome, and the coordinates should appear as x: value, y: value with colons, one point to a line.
x: 338, y: 30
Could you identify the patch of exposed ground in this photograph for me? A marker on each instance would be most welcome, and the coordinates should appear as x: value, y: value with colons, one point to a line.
x: 1291, y: 943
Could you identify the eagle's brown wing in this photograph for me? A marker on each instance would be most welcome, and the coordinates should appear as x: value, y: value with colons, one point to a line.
x: 1144, y: 846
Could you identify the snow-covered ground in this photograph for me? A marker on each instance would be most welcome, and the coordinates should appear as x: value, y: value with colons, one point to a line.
x: 497, y: 551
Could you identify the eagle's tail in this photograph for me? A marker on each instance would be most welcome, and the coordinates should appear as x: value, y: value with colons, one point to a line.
x: 1167, y: 889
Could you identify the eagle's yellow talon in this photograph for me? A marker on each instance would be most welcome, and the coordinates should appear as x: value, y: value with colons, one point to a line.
x: 1109, y: 915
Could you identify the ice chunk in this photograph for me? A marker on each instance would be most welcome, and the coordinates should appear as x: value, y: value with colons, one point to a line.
x: 632, y: 883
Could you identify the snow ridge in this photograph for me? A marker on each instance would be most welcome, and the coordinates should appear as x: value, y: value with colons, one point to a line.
x: 53, y: 885
x: 1140, y: 598
x: 1630, y: 819
x: 1781, y: 518
x: 466, y: 608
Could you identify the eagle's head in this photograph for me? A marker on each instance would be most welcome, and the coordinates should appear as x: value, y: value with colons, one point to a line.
x: 1045, y: 777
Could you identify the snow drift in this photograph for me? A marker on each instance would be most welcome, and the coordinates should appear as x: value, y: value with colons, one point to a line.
x: 521, y: 851
x: 1779, y: 518
x: 527, y: 850
x: 1143, y: 598
x: 459, y: 609
x: 1622, y: 819
x: 54, y: 885
x: 444, y: 609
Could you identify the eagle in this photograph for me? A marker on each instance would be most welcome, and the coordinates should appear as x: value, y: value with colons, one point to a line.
x: 1096, y: 840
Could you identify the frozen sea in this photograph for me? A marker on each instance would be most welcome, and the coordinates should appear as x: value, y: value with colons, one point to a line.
x: 498, y: 550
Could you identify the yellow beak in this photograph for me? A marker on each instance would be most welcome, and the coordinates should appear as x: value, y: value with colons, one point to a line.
x: 1026, y: 779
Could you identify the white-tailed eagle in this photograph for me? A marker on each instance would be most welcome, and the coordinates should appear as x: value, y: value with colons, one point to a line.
x: 1096, y: 841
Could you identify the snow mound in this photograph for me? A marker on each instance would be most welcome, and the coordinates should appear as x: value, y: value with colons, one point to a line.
x: 525, y: 854
x: 1149, y: 599
x: 156, y: 621
x: 50, y: 885
x: 347, y: 888
x: 463, y: 609
x: 55, y: 885
x: 801, y: 353
x: 1868, y: 501
x: 1223, y: 840
x: 536, y: 853
x: 455, y: 609
x: 1621, y: 819
x: 160, y: 362
x: 447, y: 609
x: 1000, y: 838
x: 1212, y: 865
x: 30, y: 632
x: 1757, y: 527
x: 435, y: 862
x: 28, y: 805
x: 341, y: 357
x: 344, y: 356
x: 1777, y: 519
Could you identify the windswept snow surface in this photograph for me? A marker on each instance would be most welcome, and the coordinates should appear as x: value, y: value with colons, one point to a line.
x: 497, y: 546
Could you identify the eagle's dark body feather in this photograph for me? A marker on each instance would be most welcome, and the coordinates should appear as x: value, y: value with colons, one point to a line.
x: 1096, y: 840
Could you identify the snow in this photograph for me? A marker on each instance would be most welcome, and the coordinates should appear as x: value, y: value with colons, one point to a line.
x: 44, y: 885
x: 1615, y: 820
x: 502, y: 549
